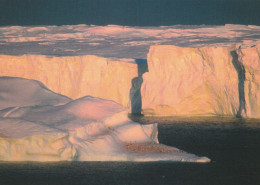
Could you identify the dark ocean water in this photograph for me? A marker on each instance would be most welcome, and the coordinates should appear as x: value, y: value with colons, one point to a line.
x: 233, y: 146
x: 129, y: 12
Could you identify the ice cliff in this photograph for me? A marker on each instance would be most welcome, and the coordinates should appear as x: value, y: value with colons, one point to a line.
x: 175, y: 81
x: 203, y: 81
x: 37, y: 124
x: 189, y: 71
x: 76, y: 76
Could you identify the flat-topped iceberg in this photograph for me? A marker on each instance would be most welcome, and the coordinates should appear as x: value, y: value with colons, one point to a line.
x: 189, y: 70
x: 207, y: 81
x: 39, y: 125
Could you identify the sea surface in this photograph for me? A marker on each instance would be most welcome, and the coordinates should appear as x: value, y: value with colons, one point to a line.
x: 233, y: 145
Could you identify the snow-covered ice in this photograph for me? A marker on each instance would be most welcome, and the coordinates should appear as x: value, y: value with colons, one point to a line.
x: 118, y: 41
x: 39, y: 125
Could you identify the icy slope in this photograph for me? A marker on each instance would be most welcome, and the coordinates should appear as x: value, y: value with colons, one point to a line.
x: 27, y: 93
x: 202, y: 81
x: 86, y: 129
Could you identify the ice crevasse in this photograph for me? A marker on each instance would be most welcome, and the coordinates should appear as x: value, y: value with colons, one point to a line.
x: 37, y: 124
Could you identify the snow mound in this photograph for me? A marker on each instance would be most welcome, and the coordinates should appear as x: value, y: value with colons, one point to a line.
x: 87, y: 129
x: 27, y: 93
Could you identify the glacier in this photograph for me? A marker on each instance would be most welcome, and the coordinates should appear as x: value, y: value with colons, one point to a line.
x: 37, y: 124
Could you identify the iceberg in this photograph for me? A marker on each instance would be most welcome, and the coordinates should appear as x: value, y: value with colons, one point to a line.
x: 207, y: 81
x: 165, y: 71
x: 37, y: 124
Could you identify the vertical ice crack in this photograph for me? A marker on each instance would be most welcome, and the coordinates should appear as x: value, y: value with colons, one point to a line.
x: 135, y: 91
x: 241, y: 80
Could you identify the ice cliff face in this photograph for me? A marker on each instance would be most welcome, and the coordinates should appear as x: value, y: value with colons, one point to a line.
x: 76, y: 76
x: 250, y: 59
x: 86, y: 129
x: 201, y: 81
x: 178, y: 81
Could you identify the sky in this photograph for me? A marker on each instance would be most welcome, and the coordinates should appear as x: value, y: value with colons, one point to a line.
x: 129, y: 12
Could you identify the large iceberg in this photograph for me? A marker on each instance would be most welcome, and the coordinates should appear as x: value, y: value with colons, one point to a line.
x: 189, y: 70
x: 37, y: 124
x: 208, y: 81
